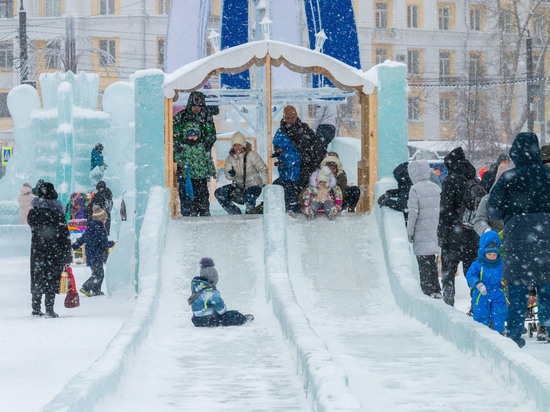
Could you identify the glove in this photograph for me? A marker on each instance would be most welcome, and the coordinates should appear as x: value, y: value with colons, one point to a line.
x: 111, y: 243
x: 482, y: 289
x: 383, y: 199
x: 279, y: 164
x: 276, y: 154
x: 232, y: 172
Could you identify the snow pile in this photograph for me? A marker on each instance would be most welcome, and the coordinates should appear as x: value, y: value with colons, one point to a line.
x: 325, y: 381
x: 84, y: 391
x: 516, y: 367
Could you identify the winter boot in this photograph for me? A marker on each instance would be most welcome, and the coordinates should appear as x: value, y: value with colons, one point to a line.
x: 50, y: 300
x: 542, y: 334
x: 36, y: 302
x: 310, y: 214
x: 249, y: 318
x: 332, y: 213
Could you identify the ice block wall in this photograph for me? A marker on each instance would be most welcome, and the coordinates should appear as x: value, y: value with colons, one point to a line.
x: 392, y: 117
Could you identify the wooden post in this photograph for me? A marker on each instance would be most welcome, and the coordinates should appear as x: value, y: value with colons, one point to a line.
x: 169, y: 178
x: 367, y: 170
x: 269, y: 120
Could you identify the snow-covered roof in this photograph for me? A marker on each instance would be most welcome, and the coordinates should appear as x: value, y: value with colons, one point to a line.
x: 296, y: 58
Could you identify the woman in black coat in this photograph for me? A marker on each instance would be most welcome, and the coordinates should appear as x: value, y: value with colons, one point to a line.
x: 50, y: 248
x: 521, y: 198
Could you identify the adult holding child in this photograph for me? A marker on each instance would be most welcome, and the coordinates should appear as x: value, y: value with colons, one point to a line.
x: 248, y: 172
x: 521, y: 198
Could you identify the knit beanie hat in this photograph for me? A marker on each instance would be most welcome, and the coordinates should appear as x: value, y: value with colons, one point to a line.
x: 324, y: 175
x: 238, y: 138
x: 208, y: 271
x: 545, y: 153
x: 492, y: 247
x: 99, y: 214
x: 503, y: 157
x: 289, y: 111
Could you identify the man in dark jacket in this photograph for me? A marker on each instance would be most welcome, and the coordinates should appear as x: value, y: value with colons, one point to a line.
x: 50, y: 247
x: 303, y: 138
x: 104, y: 199
x: 458, y: 244
x: 521, y: 198
x: 397, y: 199
x: 488, y: 179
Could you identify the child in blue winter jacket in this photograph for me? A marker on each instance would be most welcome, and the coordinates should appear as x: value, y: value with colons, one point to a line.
x: 485, y: 276
x: 208, y: 307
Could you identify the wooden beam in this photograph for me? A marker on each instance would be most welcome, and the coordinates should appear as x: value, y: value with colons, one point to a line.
x: 169, y: 164
x: 373, y: 146
x: 362, y: 165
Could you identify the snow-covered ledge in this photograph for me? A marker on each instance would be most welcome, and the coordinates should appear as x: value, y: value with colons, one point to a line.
x: 88, y: 388
x: 239, y: 58
x: 325, y: 382
x: 516, y: 367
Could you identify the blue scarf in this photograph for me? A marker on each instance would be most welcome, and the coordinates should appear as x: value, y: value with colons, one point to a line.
x: 488, y: 263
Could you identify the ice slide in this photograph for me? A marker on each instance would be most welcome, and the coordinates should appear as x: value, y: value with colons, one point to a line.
x: 346, y: 311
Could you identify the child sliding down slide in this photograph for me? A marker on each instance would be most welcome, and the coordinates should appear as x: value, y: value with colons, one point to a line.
x: 206, y: 302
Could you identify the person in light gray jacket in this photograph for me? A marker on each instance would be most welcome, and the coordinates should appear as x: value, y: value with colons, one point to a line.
x: 423, y: 205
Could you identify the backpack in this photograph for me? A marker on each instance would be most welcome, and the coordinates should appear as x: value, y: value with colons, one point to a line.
x: 473, y: 194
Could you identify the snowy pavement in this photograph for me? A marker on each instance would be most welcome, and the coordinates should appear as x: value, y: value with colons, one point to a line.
x: 38, y: 356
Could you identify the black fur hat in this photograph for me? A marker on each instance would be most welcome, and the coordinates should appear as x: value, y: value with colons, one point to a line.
x: 47, y: 191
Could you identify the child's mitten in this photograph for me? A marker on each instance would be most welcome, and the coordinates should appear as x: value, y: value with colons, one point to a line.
x: 481, y: 287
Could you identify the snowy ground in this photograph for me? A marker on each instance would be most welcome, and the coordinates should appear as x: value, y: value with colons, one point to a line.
x: 339, y: 278
x: 38, y: 356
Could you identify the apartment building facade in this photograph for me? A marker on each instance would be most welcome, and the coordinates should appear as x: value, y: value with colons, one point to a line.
x: 453, y: 52
x: 113, y: 38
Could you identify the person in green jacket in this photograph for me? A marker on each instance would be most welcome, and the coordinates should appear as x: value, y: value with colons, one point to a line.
x: 194, y: 135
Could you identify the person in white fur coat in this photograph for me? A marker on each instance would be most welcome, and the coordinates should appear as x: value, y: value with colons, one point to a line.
x: 423, y: 205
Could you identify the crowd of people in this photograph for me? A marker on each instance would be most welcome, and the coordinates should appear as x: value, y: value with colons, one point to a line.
x: 498, y: 227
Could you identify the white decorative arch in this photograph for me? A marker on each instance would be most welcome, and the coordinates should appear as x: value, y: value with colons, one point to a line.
x: 296, y: 58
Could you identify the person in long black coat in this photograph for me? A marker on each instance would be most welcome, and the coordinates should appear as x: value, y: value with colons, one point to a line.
x: 397, y: 199
x: 458, y: 244
x: 521, y: 198
x: 104, y: 199
x: 311, y: 149
x: 50, y: 248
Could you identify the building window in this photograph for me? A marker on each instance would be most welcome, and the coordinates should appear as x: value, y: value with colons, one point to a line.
x: 6, y: 8
x: 4, y: 112
x: 412, y: 17
x: 53, y: 50
x: 474, y: 66
x: 506, y: 21
x: 444, y: 18
x: 108, y: 52
x: 444, y: 66
x: 414, y: 108
x: 444, y: 109
x: 52, y: 8
x: 475, y: 18
x: 106, y: 7
x: 381, y: 15
x: 161, y: 44
x: 6, y: 56
x: 381, y: 55
x: 413, y: 62
x: 163, y: 6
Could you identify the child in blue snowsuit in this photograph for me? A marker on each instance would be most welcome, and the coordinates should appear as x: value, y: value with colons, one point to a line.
x: 485, y: 276
x: 288, y: 166
x: 208, y: 307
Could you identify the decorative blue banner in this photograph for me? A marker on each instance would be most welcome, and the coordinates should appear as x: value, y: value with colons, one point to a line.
x: 336, y: 18
x: 234, y: 33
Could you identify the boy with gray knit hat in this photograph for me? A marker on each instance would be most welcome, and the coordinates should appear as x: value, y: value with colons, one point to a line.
x: 208, y: 307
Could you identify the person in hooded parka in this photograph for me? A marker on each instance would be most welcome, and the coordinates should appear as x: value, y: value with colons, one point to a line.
x: 521, y: 197
x: 458, y: 243
x: 50, y: 248
x: 423, y: 206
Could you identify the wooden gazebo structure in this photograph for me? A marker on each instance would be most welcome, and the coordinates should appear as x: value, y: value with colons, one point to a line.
x: 298, y: 59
